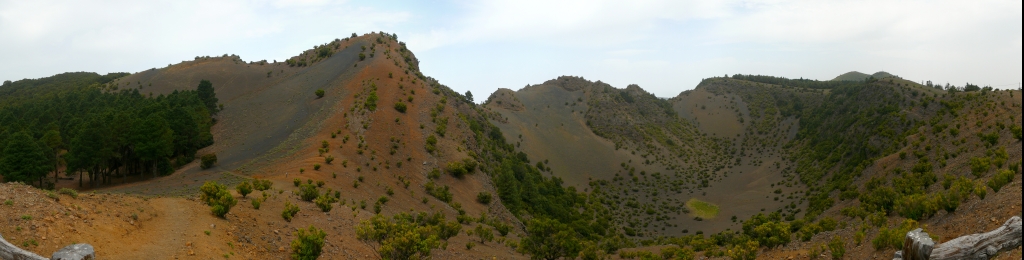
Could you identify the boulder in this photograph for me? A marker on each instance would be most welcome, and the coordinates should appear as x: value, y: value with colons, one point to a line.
x: 75, y: 252
x: 917, y: 245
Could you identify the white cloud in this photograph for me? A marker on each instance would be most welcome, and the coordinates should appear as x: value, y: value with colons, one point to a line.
x: 45, y: 37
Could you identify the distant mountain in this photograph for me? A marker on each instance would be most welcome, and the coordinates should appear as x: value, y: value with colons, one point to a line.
x: 858, y: 76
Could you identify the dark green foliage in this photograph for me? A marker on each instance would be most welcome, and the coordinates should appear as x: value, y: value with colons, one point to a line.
x: 208, y: 96
x: 484, y: 233
x: 109, y: 133
x: 980, y: 166
x: 24, y: 160
x: 308, y: 192
x: 308, y: 243
x: 484, y: 198
x: 991, y: 138
x: 371, y: 101
x: 549, y: 240
x: 401, y: 107
x: 319, y: 93
x: 208, y: 160
x: 431, y: 144
x: 441, y: 193
x: 217, y: 197
x: 1016, y: 132
x: 406, y: 236
x: 25, y: 91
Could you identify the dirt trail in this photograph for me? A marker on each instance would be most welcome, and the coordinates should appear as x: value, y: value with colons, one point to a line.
x: 164, y: 237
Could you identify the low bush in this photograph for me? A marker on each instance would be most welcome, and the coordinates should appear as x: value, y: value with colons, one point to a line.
x: 893, y: 238
x: 980, y: 166
x: 329, y: 159
x: 208, y: 160
x: 297, y: 182
x: 431, y: 144
x: 1001, y: 179
x: 441, y: 193
x: 308, y: 192
x: 401, y: 107
x: 262, y: 185
x: 217, y: 197
x: 837, y: 247
x: 289, y: 211
x: 316, y: 167
x: 484, y: 198
x: 69, y: 192
x: 484, y: 234
x: 256, y: 203
x: 320, y: 93
x: 324, y: 202
x: 244, y: 189
x: 308, y: 243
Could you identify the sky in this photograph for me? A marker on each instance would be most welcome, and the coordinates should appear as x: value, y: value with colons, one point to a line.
x: 665, y: 46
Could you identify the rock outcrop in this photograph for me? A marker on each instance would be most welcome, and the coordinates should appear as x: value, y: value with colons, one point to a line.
x: 918, y: 245
x: 73, y: 252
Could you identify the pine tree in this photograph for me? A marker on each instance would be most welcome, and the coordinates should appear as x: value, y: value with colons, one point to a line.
x: 24, y: 160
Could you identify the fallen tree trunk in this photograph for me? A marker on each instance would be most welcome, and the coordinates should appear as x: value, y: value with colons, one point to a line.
x: 919, y: 246
x: 73, y: 252
x: 11, y: 252
x: 982, y: 246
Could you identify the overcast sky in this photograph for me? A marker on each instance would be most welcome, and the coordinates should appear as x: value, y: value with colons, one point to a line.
x: 665, y: 46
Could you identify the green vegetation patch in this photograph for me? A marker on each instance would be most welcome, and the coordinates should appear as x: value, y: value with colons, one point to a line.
x: 702, y: 209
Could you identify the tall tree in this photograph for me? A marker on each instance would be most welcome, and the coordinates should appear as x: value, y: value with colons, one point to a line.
x: 90, y: 150
x: 208, y: 96
x: 154, y: 140
x: 24, y: 160
x: 53, y: 141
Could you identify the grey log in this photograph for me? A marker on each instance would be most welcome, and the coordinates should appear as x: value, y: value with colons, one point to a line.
x: 982, y: 246
x: 11, y: 252
x: 917, y: 245
x: 73, y: 252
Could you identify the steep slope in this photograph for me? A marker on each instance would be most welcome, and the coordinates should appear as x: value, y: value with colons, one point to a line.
x: 355, y: 141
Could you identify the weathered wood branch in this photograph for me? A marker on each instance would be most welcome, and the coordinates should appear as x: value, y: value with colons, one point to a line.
x: 982, y: 246
x: 73, y: 252
x: 919, y: 246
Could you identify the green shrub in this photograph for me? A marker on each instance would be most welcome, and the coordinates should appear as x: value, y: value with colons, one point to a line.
x: 401, y: 107
x: 308, y: 192
x: 329, y: 159
x: 837, y: 247
x: 297, y: 182
x: 244, y: 188
x: 324, y: 202
x: 406, y: 236
x: 484, y: 233
x: 443, y: 193
x: 217, y: 197
x: 8, y: 203
x: 256, y: 203
x: 308, y: 244
x: 743, y: 251
x: 262, y: 185
x: 431, y: 144
x: 917, y: 207
x: 484, y: 198
x: 362, y: 57
x: 69, y: 192
x: 456, y: 169
x: 316, y: 167
x: 320, y: 93
x: 893, y: 238
x: 434, y: 174
x: 1001, y: 179
x: 208, y: 160
x: 289, y: 211
x: 980, y: 166
x: 1016, y: 132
